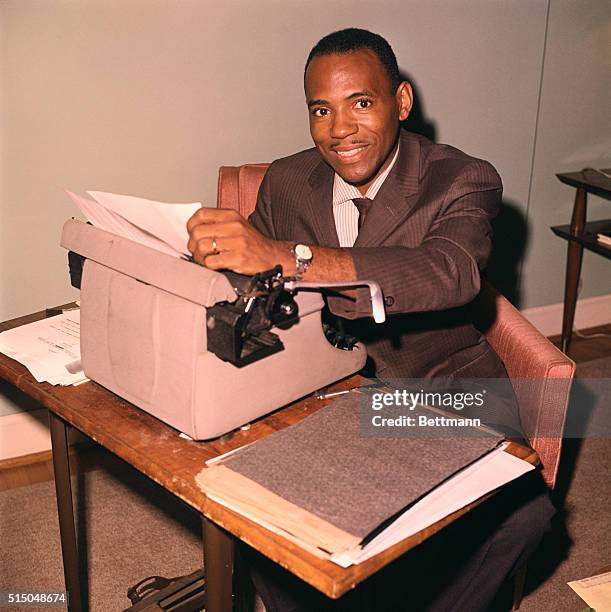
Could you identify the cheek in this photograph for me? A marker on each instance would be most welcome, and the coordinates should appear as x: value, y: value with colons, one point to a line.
x: 316, y: 132
x: 372, y: 126
x: 384, y: 124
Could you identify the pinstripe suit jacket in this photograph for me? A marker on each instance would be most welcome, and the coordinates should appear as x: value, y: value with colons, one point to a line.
x: 425, y: 240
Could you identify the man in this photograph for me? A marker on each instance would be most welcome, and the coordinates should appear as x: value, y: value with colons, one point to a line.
x: 432, y: 216
x: 371, y: 201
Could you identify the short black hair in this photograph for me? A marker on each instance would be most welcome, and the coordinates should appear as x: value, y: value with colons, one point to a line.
x: 355, y: 39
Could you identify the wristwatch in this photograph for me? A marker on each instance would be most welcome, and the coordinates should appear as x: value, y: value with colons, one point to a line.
x: 303, y: 259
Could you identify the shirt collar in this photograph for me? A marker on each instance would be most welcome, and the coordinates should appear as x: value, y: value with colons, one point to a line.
x: 344, y: 192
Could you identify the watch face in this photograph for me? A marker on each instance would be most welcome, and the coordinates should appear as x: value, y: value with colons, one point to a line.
x: 303, y: 251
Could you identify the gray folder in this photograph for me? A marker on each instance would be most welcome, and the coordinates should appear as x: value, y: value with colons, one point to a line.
x: 328, y: 466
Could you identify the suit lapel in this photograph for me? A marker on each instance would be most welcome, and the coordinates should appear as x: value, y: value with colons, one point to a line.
x: 319, y: 207
x: 396, y: 196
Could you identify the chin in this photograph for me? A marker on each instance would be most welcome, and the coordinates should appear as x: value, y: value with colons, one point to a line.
x: 355, y: 178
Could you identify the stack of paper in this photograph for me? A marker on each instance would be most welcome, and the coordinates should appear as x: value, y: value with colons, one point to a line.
x: 345, y: 496
x: 50, y: 349
x: 485, y: 475
x: 158, y: 225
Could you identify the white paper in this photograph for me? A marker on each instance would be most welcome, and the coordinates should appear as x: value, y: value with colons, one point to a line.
x: 487, y: 474
x: 165, y: 221
x: 49, y: 348
x: 110, y: 221
x: 595, y: 591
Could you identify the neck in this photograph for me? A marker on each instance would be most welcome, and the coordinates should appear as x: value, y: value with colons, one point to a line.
x: 387, y: 162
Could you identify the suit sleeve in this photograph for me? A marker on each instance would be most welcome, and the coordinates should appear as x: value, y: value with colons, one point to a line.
x: 443, y: 271
x: 262, y: 218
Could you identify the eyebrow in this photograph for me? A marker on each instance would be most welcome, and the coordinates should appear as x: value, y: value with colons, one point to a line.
x: 318, y: 102
x: 356, y: 94
x: 360, y: 94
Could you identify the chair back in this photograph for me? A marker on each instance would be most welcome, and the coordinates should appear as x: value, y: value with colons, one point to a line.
x: 238, y: 187
x: 540, y: 373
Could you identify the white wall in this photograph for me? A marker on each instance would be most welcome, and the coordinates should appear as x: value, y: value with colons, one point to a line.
x: 574, y: 132
x: 149, y: 97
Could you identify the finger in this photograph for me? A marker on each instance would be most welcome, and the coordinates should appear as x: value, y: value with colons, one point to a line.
x: 201, y: 237
x: 206, y: 215
x: 215, y: 262
x: 204, y: 247
x: 229, y: 260
x: 220, y: 244
x: 225, y: 230
x: 194, y: 219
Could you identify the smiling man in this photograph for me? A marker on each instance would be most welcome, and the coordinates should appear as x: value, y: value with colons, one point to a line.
x: 372, y: 201
x: 355, y: 131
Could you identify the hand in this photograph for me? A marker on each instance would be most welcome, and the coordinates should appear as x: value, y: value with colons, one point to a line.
x: 223, y: 239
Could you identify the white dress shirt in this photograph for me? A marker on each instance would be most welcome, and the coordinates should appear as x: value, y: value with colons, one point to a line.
x: 345, y: 213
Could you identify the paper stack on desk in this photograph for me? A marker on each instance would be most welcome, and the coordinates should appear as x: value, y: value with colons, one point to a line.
x: 346, y: 496
x: 159, y: 225
x: 50, y: 348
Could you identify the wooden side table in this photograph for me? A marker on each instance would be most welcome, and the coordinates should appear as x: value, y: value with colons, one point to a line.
x: 580, y: 235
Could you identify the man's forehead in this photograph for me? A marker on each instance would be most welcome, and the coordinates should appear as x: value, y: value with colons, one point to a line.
x: 346, y: 73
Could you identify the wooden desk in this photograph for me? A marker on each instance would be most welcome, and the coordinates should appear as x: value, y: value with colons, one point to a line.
x: 157, y: 451
x: 580, y: 235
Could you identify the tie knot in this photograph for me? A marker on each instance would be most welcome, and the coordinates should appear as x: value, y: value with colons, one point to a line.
x: 362, y: 204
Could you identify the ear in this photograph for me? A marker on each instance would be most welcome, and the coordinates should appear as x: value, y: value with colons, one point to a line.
x: 405, y: 99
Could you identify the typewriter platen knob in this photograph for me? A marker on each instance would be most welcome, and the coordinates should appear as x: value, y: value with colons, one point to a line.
x: 284, y: 310
x: 288, y: 308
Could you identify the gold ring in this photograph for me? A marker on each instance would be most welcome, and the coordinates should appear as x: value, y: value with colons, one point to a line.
x: 214, y: 246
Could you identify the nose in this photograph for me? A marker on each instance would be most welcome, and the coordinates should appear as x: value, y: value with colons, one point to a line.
x: 344, y: 124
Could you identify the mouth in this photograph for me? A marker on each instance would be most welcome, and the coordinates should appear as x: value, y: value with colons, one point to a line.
x: 350, y: 154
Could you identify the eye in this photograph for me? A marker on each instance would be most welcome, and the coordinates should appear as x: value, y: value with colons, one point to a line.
x: 320, y: 111
x: 363, y: 103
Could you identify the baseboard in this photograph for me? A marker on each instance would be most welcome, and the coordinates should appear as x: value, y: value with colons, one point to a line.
x: 13, y: 463
x: 589, y: 312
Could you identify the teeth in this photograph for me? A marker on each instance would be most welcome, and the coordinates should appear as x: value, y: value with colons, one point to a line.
x: 350, y: 153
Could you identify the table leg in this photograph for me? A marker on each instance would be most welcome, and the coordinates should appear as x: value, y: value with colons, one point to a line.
x: 65, y: 510
x: 573, y: 269
x: 218, y: 567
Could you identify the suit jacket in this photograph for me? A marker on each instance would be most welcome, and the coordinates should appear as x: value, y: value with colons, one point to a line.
x: 432, y: 217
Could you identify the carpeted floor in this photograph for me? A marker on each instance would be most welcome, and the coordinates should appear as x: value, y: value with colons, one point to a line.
x: 580, y: 543
x: 134, y: 529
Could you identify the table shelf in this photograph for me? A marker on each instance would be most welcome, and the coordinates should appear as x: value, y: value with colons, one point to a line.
x: 587, y: 239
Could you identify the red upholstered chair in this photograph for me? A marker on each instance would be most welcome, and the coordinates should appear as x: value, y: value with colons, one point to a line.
x: 541, y: 375
x: 540, y: 372
x: 238, y: 187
